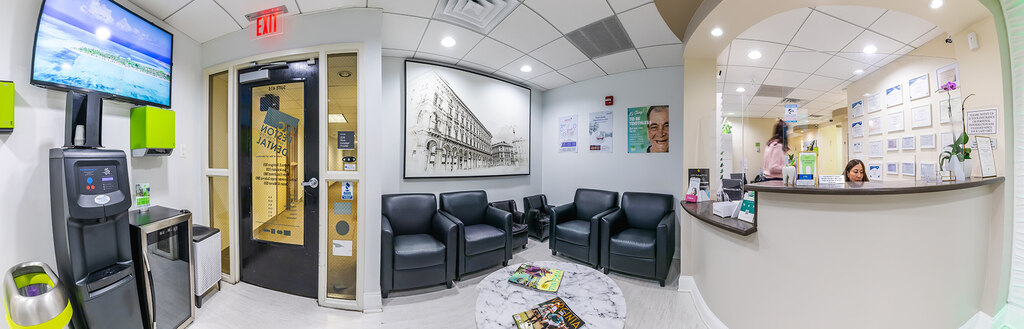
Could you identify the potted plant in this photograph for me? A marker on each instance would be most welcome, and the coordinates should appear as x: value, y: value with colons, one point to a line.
x: 957, y: 156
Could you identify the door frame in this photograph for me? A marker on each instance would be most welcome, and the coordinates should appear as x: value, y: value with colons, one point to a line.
x: 326, y: 176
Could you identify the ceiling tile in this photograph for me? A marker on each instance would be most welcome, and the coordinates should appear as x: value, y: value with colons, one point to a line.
x: 817, y: 82
x: 825, y: 33
x: 308, y: 6
x: 785, y: 78
x: 779, y: 28
x: 161, y: 8
x: 239, y: 8
x: 735, y: 99
x: 559, y: 54
x: 816, y: 105
x: 764, y: 100
x: 860, y: 15
x: 620, y: 62
x: 551, y: 80
x: 900, y: 26
x: 659, y: 56
x: 569, y: 15
x: 745, y: 74
x: 804, y: 94
x: 866, y: 59
x: 719, y: 87
x: 888, y: 59
x: 514, y: 68
x: 476, y: 67
x: 421, y: 8
x: 931, y: 35
x: 582, y: 71
x: 436, y: 57
x: 397, y: 53
x: 759, y: 109
x: 491, y: 53
x: 203, y: 20
x: 801, y: 60
x: 624, y: 5
x: 402, y: 32
x: 437, y: 30
x: 885, y: 46
x: 723, y: 58
x: 840, y: 68
x: 646, y: 27
x: 730, y: 89
x: 524, y: 30
x: 770, y: 53
x: 832, y: 98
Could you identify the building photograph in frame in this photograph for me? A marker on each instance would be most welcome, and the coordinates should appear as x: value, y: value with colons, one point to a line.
x: 464, y: 124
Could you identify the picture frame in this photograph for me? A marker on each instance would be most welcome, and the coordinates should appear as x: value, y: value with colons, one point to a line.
x: 928, y: 171
x: 908, y: 142
x: 894, y: 95
x: 908, y: 169
x: 892, y: 168
x: 875, y: 149
x: 892, y: 144
x: 921, y: 116
x: 895, y: 121
x: 985, y: 156
x: 926, y: 141
x: 918, y: 87
x: 947, y: 73
x: 874, y: 125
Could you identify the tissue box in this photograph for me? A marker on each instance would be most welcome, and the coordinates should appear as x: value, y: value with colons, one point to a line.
x: 724, y: 208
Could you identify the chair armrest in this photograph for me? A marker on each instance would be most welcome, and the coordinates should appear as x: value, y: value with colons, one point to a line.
x: 498, y: 218
x: 518, y: 218
x: 665, y: 231
x: 613, y: 223
x: 387, y: 234
x: 563, y: 213
x: 597, y: 218
x: 387, y: 254
x: 444, y: 229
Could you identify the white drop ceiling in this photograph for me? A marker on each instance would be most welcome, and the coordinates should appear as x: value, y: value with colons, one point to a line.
x: 533, y: 34
x: 816, y: 51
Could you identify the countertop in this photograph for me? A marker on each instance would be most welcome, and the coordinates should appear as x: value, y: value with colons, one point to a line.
x: 705, y: 212
x: 873, y: 188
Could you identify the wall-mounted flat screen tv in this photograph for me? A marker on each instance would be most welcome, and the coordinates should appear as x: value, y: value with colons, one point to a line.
x: 97, y: 45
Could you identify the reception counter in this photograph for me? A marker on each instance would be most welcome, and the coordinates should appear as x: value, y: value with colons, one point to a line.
x: 900, y: 254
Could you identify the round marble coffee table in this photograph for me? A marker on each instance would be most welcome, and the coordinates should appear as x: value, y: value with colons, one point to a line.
x: 594, y: 297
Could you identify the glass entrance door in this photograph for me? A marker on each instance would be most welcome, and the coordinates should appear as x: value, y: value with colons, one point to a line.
x: 278, y: 173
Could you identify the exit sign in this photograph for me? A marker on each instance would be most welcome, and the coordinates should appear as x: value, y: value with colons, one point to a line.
x: 265, y: 26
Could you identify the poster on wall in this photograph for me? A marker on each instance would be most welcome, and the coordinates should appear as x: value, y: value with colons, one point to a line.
x: 463, y: 124
x: 874, y: 172
x: 857, y: 129
x: 601, y: 125
x: 944, y: 108
x: 919, y: 87
x: 894, y: 121
x: 982, y: 121
x: 874, y: 102
x: 857, y: 109
x: 921, y: 116
x: 948, y: 73
x: 874, y: 126
x: 567, y: 132
x: 647, y: 129
x: 875, y: 149
x: 894, y: 95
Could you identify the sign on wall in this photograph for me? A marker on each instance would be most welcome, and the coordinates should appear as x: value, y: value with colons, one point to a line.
x: 982, y: 122
x: 647, y: 129
x: 567, y: 133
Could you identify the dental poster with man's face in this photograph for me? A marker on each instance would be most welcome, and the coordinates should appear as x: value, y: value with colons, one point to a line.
x: 647, y: 129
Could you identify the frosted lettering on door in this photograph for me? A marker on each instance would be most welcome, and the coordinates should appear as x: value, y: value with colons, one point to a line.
x: 277, y: 167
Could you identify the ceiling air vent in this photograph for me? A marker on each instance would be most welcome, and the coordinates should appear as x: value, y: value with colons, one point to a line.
x: 604, y: 37
x: 477, y: 15
x: 774, y: 91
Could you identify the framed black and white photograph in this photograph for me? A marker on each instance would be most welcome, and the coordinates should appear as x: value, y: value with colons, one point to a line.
x: 464, y: 124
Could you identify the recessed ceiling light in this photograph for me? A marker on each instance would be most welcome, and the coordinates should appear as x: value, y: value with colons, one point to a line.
x: 858, y: 72
x: 866, y: 94
x: 526, y: 68
x: 741, y: 89
x: 754, y: 54
x: 448, y: 42
x: 936, y: 4
x: 716, y: 32
x: 870, y: 49
x: 730, y: 113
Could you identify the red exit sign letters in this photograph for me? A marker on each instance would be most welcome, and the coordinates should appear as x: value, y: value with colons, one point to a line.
x: 265, y: 26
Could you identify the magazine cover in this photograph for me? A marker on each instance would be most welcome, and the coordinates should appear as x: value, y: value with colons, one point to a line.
x: 537, y: 277
x: 550, y: 314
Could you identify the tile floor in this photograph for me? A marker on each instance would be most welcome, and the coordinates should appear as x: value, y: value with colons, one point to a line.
x: 247, y: 306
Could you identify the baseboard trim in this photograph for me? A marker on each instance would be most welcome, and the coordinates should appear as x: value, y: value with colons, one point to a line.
x: 687, y: 284
x: 373, y: 302
x: 980, y: 320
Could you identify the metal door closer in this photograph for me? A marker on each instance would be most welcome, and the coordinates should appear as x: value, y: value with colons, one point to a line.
x: 89, y: 201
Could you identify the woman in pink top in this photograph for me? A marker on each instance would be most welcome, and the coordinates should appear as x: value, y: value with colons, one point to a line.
x: 775, y: 153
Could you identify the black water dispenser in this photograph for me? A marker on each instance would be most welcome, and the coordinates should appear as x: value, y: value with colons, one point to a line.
x: 89, y: 200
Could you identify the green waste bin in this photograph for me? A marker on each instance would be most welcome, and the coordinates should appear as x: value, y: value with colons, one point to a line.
x: 35, y: 298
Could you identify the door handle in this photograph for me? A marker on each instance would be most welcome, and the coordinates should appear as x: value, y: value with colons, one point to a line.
x: 311, y: 183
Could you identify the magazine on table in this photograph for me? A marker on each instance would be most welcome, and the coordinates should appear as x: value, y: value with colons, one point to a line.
x: 540, y: 278
x: 550, y: 314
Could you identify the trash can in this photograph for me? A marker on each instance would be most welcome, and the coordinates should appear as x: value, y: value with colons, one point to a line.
x: 206, y: 246
x: 35, y: 298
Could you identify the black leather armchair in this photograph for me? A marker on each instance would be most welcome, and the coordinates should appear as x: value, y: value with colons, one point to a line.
x: 639, y: 238
x: 418, y: 244
x: 537, y: 216
x: 519, y: 227
x: 485, y: 232
x: 575, y: 227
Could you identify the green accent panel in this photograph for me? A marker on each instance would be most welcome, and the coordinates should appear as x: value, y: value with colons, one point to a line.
x: 152, y: 128
x: 32, y: 278
x: 6, y: 105
x: 61, y: 321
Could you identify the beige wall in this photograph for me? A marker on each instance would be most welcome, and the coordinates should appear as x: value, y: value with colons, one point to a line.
x: 746, y: 132
x: 977, y: 69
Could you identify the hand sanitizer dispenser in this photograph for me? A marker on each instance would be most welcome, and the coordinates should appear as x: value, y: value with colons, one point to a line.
x: 152, y: 131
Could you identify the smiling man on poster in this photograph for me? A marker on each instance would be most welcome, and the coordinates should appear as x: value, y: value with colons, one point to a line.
x: 648, y: 129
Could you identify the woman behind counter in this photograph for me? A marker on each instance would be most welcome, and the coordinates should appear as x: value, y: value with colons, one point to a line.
x: 775, y: 153
x: 855, y: 171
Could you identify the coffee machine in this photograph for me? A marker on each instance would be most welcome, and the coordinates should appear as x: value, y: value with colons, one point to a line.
x: 89, y: 198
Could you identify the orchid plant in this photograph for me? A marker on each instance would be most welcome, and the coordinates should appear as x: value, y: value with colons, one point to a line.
x: 959, y: 147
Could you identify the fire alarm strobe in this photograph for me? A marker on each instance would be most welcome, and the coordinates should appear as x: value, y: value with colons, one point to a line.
x: 609, y: 100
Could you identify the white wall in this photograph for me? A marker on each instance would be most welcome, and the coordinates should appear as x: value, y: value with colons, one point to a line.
x: 498, y: 188
x: 618, y: 171
x: 39, y: 120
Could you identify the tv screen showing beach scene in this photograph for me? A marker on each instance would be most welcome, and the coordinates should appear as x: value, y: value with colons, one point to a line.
x: 97, y: 45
